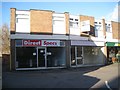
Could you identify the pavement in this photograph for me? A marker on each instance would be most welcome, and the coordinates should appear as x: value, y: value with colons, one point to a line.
x: 82, y: 77
x: 0, y: 73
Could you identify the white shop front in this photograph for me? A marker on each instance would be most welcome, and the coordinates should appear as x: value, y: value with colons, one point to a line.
x: 84, y: 52
x: 39, y: 54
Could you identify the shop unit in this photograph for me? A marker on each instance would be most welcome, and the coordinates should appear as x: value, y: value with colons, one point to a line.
x: 39, y: 54
x: 112, y: 39
x: 38, y: 39
x: 43, y: 39
x: 87, y: 52
x: 86, y: 48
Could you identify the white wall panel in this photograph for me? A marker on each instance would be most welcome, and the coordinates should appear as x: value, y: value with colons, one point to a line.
x: 59, y: 26
x: 75, y: 29
x: 23, y: 21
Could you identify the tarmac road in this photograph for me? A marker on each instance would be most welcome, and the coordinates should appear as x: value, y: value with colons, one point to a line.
x: 85, y: 77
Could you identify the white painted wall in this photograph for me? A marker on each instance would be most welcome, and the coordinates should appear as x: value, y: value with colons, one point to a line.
x: 75, y: 30
x: 108, y: 30
x: 99, y: 29
x: 85, y: 26
x: 23, y: 21
x: 59, y: 25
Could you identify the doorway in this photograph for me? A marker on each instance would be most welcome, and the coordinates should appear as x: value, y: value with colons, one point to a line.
x: 41, y: 57
x: 76, y: 55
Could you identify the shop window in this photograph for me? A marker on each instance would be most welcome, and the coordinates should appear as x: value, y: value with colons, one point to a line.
x: 26, y: 57
x: 55, y: 57
x: 73, y: 60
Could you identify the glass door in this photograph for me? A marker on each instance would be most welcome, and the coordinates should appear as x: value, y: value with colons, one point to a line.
x: 41, y: 57
x: 76, y: 55
x: 79, y: 55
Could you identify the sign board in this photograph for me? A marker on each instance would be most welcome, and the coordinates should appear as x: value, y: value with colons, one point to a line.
x: 40, y: 43
x: 112, y: 44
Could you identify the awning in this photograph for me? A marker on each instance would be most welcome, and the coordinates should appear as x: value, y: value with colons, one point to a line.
x: 112, y: 43
x: 86, y: 43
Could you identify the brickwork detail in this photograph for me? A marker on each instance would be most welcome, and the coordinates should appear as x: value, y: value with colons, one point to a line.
x: 40, y: 21
x: 67, y: 22
x: 12, y: 19
x: 116, y: 30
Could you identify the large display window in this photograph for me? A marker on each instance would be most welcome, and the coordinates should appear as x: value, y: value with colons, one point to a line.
x: 26, y: 57
x: 55, y: 57
x: 40, y: 57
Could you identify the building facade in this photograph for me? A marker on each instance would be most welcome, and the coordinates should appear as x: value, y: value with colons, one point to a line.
x: 43, y: 39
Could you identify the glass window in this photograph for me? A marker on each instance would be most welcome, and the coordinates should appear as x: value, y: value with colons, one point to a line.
x: 26, y: 57
x: 55, y: 57
x: 76, y: 19
x: 71, y: 24
x: 95, y: 22
x: 73, y: 60
x: 71, y: 19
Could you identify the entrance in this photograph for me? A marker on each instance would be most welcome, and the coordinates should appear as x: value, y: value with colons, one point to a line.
x: 76, y: 56
x: 41, y: 57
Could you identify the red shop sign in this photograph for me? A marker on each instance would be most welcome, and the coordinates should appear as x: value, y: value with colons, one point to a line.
x: 31, y: 43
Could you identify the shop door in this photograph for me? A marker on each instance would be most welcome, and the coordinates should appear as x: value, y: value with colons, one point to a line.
x: 41, y: 57
x: 79, y: 55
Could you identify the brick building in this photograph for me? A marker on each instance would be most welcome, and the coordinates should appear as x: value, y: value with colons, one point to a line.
x: 43, y: 39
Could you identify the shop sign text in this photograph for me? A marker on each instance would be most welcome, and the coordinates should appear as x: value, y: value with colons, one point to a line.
x: 50, y: 43
x: 41, y: 43
x: 31, y: 42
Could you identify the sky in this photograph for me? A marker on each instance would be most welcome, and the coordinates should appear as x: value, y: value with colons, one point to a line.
x: 99, y: 10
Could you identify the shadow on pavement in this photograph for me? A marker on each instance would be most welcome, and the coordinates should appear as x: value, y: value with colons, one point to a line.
x: 57, y: 78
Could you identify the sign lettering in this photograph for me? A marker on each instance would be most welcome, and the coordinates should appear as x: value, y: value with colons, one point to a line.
x: 31, y: 42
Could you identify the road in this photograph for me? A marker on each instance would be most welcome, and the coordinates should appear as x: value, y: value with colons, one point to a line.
x: 85, y: 77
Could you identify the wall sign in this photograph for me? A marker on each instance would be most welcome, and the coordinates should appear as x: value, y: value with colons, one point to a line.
x: 31, y: 42
x: 112, y: 44
x: 39, y: 43
x: 50, y: 43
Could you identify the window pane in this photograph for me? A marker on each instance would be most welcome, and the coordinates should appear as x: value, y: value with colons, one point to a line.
x: 55, y: 57
x: 26, y: 57
x: 73, y: 61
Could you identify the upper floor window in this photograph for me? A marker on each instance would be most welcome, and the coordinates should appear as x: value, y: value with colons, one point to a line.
x: 76, y: 19
x: 97, y: 27
x: 74, y: 22
x: 71, y: 19
x: 95, y: 22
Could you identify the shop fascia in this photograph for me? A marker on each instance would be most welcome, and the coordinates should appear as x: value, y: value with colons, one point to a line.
x: 112, y: 43
x: 40, y: 42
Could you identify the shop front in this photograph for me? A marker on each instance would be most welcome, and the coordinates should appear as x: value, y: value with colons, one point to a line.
x: 112, y: 50
x: 85, y: 53
x: 39, y: 54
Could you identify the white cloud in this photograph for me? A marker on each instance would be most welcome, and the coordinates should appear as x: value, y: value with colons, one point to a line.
x: 114, y: 15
